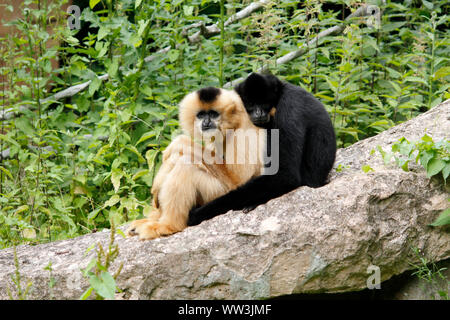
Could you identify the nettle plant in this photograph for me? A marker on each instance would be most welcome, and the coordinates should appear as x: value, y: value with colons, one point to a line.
x: 434, y: 157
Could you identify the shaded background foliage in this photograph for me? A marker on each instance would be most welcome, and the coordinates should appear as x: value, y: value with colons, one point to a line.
x: 75, y: 164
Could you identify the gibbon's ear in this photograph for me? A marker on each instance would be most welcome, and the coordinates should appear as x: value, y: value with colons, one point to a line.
x: 272, y: 112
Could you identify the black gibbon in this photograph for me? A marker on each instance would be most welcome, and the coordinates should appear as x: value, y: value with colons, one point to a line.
x: 186, y: 179
x: 307, y: 144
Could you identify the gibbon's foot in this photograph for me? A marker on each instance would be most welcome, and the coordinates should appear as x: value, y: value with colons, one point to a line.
x: 147, y: 229
x: 249, y: 208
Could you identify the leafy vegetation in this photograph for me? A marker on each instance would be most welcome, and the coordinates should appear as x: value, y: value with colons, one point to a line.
x: 70, y: 166
x: 432, y: 275
x: 433, y: 157
x: 21, y: 293
x: 102, y: 283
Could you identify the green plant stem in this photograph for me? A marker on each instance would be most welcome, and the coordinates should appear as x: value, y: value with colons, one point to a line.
x: 431, y: 75
x: 222, y: 41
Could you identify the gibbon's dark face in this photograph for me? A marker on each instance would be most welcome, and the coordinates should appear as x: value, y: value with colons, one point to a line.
x: 208, y: 119
x: 260, y: 93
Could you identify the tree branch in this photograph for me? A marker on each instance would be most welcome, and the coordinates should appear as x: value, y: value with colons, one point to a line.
x: 365, y: 10
x: 209, y: 31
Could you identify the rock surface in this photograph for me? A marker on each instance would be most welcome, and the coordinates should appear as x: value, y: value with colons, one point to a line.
x: 307, y: 241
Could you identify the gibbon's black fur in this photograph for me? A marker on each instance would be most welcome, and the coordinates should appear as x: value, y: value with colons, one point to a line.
x: 307, y: 144
x: 208, y: 94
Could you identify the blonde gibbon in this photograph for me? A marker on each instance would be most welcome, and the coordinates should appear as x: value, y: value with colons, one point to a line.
x: 210, y: 159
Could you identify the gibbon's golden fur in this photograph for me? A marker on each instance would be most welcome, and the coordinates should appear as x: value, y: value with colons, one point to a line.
x: 181, y: 185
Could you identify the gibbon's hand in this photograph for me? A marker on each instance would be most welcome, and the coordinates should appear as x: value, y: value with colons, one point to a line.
x: 195, y: 217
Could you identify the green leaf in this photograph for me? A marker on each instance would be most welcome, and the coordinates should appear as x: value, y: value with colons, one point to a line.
x: 136, y: 152
x: 139, y: 174
x: 405, y: 166
x: 142, y: 26
x: 21, y: 209
x: 385, y: 155
x: 102, y: 32
x: 427, y: 138
x: 137, y: 3
x: 173, y: 55
x: 379, y: 123
x: 416, y: 79
x: 188, y: 10
x: 150, y: 155
x: 136, y: 40
x: 435, y: 102
x: 146, y: 136
x: 104, y: 285
x: 441, y: 73
x: 93, y: 214
x: 93, y: 3
x: 6, y: 171
x: 24, y: 124
x: 446, y: 171
x: 86, y: 294
x: 116, y: 175
x: 94, y: 85
x: 366, y: 168
x: 113, y: 67
x: 146, y: 90
x: 112, y: 201
x: 427, y: 4
x: 443, y: 219
x: 425, y: 157
x: 434, y: 167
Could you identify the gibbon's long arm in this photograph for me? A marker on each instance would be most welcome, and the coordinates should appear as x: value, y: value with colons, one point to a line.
x: 255, y: 192
x: 263, y: 188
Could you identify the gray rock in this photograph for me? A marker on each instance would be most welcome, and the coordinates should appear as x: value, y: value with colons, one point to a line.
x: 307, y: 241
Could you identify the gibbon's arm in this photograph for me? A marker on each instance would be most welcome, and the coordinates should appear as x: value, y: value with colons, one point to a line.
x: 255, y: 192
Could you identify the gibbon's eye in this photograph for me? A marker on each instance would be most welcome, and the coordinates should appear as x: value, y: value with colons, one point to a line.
x: 213, y: 114
x: 201, y: 114
x: 210, y: 114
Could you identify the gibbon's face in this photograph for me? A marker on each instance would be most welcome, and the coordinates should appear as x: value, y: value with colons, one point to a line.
x: 208, y: 122
x: 210, y: 111
x: 260, y: 95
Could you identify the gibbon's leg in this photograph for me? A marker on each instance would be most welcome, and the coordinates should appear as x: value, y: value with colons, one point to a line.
x: 175, y: 196
x: 179, y: 193
x: 154, y: 215
x: 179, y: 147
x: 162, y: 175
